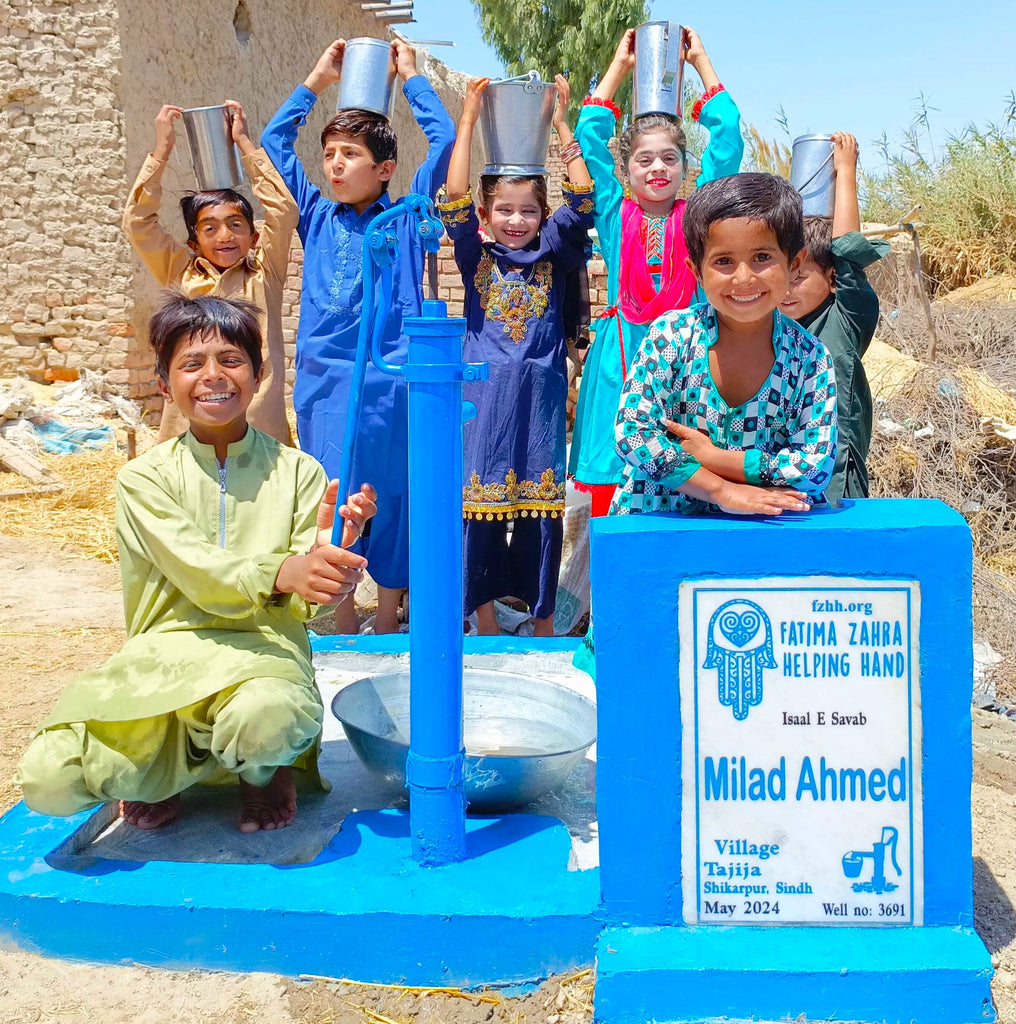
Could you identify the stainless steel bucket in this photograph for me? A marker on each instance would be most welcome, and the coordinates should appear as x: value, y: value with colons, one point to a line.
x: 215, y: 157
x: 523, y: 736
x: 368, y: 76
x: 811, y: 173
x: 659, y: 69
x: 515, y: 121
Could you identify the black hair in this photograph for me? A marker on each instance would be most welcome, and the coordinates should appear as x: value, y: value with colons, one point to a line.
x: 373, y: 129
x: 818, y: 240
x: 489, y: 184
x: 178, y: 317
x: 752, y: 196
x: 651, y: 123
x: 194, y: 202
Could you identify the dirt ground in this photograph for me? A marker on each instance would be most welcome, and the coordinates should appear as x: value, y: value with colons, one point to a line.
x: 59, y: 615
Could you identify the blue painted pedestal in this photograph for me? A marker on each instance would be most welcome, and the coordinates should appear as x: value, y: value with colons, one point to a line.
x: 651, y: 964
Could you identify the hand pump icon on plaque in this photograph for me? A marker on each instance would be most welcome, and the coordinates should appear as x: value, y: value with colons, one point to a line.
x: 854, y: 860
x: 739, y: 647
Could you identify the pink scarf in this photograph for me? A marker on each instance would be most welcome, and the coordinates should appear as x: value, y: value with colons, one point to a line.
x: 638, y: 298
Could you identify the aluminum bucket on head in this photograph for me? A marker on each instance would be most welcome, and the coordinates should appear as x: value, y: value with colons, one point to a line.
x: 659, y: 69
x: 811, y: 173
x: 368, y: 76
x: 515, y: 121
x: 213, y: 153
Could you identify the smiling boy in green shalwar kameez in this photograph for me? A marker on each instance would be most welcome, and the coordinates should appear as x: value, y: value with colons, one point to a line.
x: 214, y: 529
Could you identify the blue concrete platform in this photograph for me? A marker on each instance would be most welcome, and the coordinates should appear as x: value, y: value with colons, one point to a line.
x: 897, y: 975
x: 342, y: 900
x: 511, y: 913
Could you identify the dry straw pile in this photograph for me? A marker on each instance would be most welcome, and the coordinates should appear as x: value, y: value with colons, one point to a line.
x: 79, y: 520
x: 947, y: 429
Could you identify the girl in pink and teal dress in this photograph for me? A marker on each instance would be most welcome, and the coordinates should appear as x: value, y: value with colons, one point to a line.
x: 514, y: 296
x: 641, y: 241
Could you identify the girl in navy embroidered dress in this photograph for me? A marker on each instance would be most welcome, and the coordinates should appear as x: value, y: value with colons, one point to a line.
x: 514, y: 293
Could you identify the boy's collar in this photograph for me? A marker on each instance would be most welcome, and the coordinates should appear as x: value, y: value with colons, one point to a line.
x: 207, y: 451
x: 210, y: 268
x: 382, y: 203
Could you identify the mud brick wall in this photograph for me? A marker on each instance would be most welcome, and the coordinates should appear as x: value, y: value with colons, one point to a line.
x: 65, y: 274
x: 80, y: 84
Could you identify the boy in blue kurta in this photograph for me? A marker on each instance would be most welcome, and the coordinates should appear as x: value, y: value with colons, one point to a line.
x: 225, y: 550
x: 359, y: 153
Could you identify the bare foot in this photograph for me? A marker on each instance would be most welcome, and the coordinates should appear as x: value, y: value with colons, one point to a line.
x: 148, y: 816
x: 268, y: 807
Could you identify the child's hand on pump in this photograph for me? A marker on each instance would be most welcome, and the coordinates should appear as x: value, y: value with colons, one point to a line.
x: 328, y: 573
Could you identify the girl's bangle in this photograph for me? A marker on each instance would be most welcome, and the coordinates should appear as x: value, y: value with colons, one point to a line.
x: 572, y: 151
x: 705, y: 98
x: 596, y: 101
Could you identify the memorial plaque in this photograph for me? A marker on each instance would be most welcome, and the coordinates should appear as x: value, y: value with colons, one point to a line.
x: 801, y: 751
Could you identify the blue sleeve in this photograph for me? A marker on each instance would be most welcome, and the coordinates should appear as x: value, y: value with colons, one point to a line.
x: 593, y: 133
x: 279, y: 139
x: 567, y: 230
x: 463, y: 228
x: 439, y: 128
x: 722, y: 157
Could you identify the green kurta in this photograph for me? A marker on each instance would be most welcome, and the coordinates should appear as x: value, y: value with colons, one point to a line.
x: 845, y: 323
x: 200, y: 548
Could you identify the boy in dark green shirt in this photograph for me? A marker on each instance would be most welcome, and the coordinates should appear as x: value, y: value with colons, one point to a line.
x: 830, y: 296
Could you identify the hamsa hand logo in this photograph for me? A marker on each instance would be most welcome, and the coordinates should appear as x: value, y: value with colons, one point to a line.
x: 739, y: 646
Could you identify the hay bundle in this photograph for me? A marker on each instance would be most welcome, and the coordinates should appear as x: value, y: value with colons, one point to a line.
x: 941, y: 433
x: 78, y: 521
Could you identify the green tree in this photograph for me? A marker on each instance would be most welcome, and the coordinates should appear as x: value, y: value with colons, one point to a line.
x: 577, y: 37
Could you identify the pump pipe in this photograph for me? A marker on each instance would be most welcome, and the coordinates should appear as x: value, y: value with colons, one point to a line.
x: 434, y: 373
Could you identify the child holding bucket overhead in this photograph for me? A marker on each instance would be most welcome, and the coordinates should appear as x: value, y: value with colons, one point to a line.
x: 831, y: 297
x: 515, y: 289
x: 224, y: 254
x: 360, y: 151
x: 640, y: 238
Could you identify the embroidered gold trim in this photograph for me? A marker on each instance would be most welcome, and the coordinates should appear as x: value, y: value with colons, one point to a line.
x: 541, y: 498
x: 571, y: 188
x: 452, y: 204
x: 513, y: 303
x: 586, y: 206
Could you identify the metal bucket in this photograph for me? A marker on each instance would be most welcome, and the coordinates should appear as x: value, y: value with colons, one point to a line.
x: 659, y: 69
x: 215, y: 157
x: 368, y: 76
x: 523, y: 736
x: 515, y: 121
x: 811, y: 173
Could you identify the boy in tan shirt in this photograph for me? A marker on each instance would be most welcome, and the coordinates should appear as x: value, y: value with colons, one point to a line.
x: 224, y: 255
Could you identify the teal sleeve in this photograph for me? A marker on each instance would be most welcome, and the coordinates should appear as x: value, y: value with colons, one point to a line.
x: 722, y: 157
x: 682, y: 475
x: 593, y: 133
x: 753, y: 467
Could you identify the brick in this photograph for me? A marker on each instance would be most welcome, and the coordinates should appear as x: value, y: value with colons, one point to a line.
x: 120, y: 329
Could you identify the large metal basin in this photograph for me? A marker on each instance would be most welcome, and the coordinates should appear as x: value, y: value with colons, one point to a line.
x: 523, y: 736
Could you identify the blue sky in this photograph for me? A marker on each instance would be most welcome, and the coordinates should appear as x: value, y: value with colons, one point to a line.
x: 858, y: 66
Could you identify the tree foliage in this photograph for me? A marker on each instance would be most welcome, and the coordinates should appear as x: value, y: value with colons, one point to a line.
x: 577, y: 37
